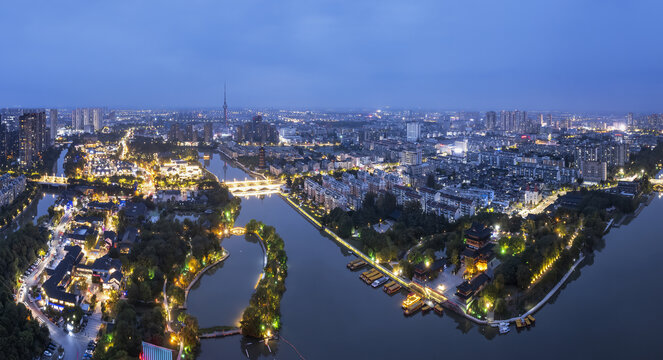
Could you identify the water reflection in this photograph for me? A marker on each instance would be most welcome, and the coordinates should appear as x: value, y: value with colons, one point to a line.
x: 328, y: 313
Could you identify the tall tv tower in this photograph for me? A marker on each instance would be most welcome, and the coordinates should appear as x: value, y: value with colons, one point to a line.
x: 225, y: 105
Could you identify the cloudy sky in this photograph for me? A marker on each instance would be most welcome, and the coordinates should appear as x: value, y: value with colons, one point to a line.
x: 466, y: 54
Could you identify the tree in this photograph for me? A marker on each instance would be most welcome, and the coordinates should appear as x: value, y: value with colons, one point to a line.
x: 524, y: 276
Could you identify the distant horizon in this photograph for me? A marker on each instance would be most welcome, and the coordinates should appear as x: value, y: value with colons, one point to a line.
x: 366, y: 110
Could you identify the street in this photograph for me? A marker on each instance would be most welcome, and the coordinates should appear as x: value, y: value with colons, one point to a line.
x: 75, y: 344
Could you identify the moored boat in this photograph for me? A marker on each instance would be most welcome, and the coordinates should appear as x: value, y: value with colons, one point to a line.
x: 438, y: 309
x: 379, y: 281
x: 504, y: 327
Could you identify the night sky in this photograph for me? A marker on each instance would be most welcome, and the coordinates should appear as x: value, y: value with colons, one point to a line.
x: 576, y: 55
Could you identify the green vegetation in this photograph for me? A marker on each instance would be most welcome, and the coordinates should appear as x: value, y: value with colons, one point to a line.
x: 74, y: 162
x: 8, y: 213
x: 172, y: 250
x: 132, y: 325
x: 143, y: 149
x: 647, y: 159
x: 539, y: 251
x: 21, y: 337
x: 412, y: 225
x: 262, y: 318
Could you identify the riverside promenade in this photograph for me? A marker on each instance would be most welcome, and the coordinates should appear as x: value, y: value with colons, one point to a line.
x: 426, y: 291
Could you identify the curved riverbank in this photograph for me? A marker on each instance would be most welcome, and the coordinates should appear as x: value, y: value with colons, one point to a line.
x: 200, y: 274
x: 329, y: 313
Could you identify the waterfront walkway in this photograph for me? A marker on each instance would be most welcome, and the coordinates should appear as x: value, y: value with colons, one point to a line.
x: 426, y: 291
x: 552, y: 292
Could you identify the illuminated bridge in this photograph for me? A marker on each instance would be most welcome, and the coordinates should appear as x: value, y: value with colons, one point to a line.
x: 254, y: 187
x: 52, y: 180
x: 238, y: 231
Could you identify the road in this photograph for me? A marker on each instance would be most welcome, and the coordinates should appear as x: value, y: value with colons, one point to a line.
x: 549, y: 200
x: 75, y: 344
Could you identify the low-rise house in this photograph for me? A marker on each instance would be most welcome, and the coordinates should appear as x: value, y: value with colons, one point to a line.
x: 54, y: 289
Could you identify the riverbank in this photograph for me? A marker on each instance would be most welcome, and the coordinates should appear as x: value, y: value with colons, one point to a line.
x: 200, y: 274
x: 22, y: 202
x: 321, y: 290
x: 242, y: 166
x: 427, y: 292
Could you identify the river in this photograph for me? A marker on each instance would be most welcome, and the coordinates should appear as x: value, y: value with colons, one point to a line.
x: 328, y: 313
x: 43, y: 201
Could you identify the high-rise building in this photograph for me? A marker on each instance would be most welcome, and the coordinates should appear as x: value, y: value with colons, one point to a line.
x: 97, y: 117
x: 413, y: 131
x: 629, y: 120
x: 594, y: 171
x: 514, y: 121
x: 491, y: 120
x: 76, y: 119
x: 257, y: 131
x: 87, y: 120
x: 173, y: 132
x: 207, y: 132
x: 190, y: 134
x: 53, y: 113
x: 33, y: 137
x: 411, y: 157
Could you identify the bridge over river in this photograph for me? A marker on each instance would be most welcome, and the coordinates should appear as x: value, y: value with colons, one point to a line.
x: 246, y: 188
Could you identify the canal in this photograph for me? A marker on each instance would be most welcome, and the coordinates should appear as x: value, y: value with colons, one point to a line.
x: 42, y: 202
x: 328, y: 313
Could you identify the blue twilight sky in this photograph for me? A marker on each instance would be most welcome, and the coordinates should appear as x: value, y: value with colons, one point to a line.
x: 465, y: 54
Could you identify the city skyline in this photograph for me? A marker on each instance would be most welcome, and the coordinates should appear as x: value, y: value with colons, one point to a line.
x: 565, y: 56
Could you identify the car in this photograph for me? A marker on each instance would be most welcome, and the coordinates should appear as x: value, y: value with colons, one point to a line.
x: 48, y: 353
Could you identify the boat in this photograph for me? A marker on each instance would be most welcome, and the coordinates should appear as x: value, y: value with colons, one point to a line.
x: 425, y: 308
x: 356, y: 264
x: 531, y: 318
x: 369, y: 279
x: 379, y: 281
x: 413, y: 308
x: 438, y: 309
x: 392, y: 288
x: 504, y: 327
x: 410, y: 300
x: 519, y: 323
x: 527, y: 322
x: 368, y: 274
